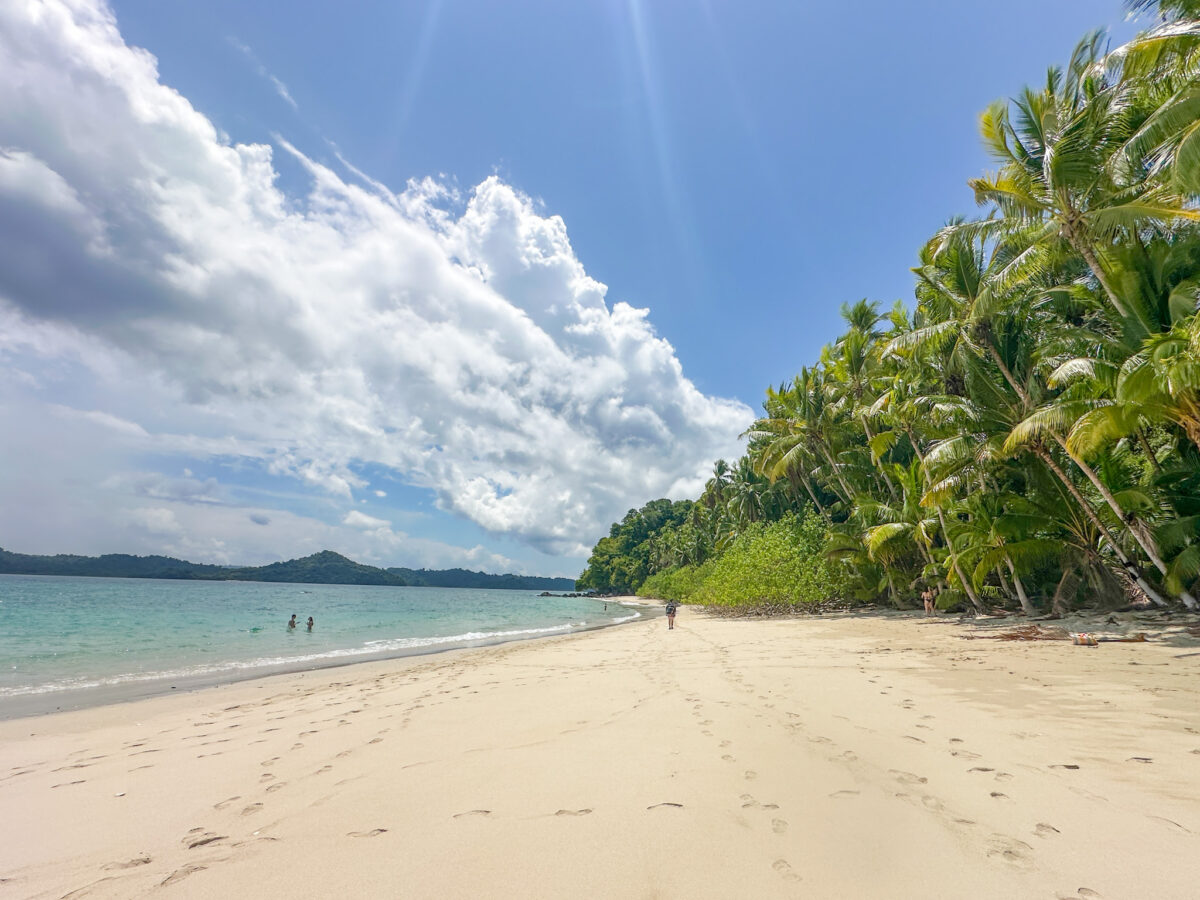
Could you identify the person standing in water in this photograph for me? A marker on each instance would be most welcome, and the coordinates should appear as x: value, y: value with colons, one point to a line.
x: 671, y: 614
x: 292, y: 623
x: 310, y: 623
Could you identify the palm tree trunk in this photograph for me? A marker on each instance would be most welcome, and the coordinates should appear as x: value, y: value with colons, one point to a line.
x: 1084, y: 249
x: 1026, y: 605
x: 836, y: 472
x: 1134, y: 525
x: 1131, y: 569
x: 803, y: 479
x: 870, y: 437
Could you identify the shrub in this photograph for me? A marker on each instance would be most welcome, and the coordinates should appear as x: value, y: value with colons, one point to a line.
x: 779, y: 565
x: 676, y: 584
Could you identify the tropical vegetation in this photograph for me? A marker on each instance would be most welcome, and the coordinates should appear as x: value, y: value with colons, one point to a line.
x: 1025, y: 433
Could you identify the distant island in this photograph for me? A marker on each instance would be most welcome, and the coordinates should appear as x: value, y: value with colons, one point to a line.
x: 325, y: 567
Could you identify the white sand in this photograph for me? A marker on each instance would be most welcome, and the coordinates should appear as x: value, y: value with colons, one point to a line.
x: 861, y: 757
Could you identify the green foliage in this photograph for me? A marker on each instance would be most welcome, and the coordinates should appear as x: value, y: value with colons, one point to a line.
x: 679, y: 583
x: 776, y: 564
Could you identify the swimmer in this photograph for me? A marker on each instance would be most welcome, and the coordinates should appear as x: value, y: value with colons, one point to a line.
x: 310, y: 623
x: 292, y: 623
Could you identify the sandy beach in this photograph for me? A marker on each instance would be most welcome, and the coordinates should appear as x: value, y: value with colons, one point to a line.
x: 852, y: 756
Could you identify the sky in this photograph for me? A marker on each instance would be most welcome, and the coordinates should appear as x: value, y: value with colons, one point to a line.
x: 450, y: 282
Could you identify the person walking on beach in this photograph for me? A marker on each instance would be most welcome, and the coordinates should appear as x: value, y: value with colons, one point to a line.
x: 671, y: 614
x: 927, y: 599
x: 292, y: 623
x: 310, y: 623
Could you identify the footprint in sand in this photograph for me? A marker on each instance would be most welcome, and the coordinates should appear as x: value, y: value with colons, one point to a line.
x: 1043, y: 830
x: 779, y: 826
x: 473, y: 812
x: 129, y: 864
x: 180, y: 874
x: 843, y: 795
x: 375, y: 740
x: 269, y: 762
x: 374, y: 832
x: 1009, y: 850
x: 274, y: 787
x: 1170, y: 824
x: 252, y: 809
x: 980, y: 769
x: 728, y: 758
x: 785, y: 870
x: 192, y: 841
x: 573, y: 812
x: 932, y: 803
x: 1064, y: 766
x: 750, y: 775
x: 998, y: 796
x: 666, y: 805
x: 909, y: 737
x: 964, y: 754
x: 323, y: 770
x: 225, y: 803
x: 907, y: 777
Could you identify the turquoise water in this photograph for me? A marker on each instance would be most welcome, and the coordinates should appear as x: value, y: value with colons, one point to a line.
x: 65, y: 639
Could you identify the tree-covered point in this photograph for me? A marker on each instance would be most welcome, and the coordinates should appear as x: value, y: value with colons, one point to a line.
x: 620, y: 562
x: 1026, y: 431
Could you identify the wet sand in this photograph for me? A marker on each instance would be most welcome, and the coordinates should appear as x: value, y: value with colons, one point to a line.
x: 855, y: 756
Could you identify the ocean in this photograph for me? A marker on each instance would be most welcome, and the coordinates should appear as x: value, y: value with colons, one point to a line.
x: 67, y: 643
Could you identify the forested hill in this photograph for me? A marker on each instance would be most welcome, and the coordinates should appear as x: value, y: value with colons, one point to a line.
x: 325, y: 567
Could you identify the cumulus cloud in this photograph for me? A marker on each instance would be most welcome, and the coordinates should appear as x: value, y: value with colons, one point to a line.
x: 454, y: 341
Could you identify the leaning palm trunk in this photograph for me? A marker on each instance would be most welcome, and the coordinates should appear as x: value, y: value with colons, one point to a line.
x: 1026, y: 605
x: 958, y: 570
x: 1130, y: 568
x: 1136, y: 527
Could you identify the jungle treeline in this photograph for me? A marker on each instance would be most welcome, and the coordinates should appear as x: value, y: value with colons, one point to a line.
x: 1023, y: 433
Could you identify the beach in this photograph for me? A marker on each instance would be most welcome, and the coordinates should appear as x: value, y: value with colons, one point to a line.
x: 874, y: 756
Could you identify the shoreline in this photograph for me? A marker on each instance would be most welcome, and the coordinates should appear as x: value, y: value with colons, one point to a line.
x: 40, y: 703
x: 865, y: 756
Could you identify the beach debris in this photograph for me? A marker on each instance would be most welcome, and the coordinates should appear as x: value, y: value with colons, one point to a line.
x: 1024, y: 633
x: 1084, y: 639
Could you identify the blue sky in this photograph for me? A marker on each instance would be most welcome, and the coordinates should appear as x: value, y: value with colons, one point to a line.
x: 338, y: 278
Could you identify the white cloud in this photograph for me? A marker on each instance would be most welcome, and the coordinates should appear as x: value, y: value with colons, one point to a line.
x: 355, y: 519
x: 157, y: 277
x: 280, y: 87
